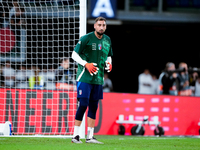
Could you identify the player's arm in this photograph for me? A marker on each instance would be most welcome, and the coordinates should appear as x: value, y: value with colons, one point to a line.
x: 89, y: 66
x: 108, y: 64
x: 109, y: 59
x: 78, y: 59
x: 76, y: 56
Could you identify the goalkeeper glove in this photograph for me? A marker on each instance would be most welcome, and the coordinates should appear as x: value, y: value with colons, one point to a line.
x: 91, y: 68
x: 108, y: 66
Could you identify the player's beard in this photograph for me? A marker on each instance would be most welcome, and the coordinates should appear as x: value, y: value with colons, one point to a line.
x: 99, y: 33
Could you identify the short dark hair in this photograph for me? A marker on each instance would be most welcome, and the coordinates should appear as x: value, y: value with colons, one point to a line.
x: 63, y: 59
x: 100, y: 19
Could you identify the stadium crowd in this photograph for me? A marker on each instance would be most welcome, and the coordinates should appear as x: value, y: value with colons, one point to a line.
x: 172, y: 81
x: 49, y: 78
x: 33, y: 77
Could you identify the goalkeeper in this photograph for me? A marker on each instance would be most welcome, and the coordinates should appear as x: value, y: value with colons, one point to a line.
x: 92, y: 53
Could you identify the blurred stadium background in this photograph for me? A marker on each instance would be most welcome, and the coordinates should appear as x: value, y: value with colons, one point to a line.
x: 156, y: 31
x: 151, y: 33
x: 144, y: 34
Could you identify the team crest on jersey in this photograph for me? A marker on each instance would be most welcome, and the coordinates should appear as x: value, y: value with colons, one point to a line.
x: 80, y: 92
x: 99, y: 46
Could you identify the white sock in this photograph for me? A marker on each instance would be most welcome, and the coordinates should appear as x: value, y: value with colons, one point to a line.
x: 90, y: 132
x: 76, y: 131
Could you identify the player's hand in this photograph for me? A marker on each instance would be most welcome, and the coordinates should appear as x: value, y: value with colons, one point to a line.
x: 108, y: 67
x: 91, y: 68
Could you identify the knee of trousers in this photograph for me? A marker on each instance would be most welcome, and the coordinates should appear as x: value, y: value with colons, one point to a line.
x: 93, y: 106
x: 81, y: 109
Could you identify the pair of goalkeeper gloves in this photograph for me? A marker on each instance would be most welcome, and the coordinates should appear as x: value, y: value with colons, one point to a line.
x: 91, y: 67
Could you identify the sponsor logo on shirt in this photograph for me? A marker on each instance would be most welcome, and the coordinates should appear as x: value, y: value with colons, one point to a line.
x: 93, y: 46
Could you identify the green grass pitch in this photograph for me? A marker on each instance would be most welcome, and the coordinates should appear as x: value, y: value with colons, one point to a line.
x: 110, y: 143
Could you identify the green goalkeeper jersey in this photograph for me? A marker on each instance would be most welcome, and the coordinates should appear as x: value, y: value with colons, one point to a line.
x: 93, y: 50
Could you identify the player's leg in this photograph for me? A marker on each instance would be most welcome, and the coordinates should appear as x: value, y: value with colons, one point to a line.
x: 96, y: 94
x: 83, y: 103
x: 83, y: 93
x: 93, y: 106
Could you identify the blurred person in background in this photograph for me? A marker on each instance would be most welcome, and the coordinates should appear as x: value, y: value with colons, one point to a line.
x: 35, y: 80
x: 184, y: 88
x: 107, y: 86
x: 197, y: 87
x: 21, y: 78
x: 50, y: 79
x: 16, y: 14
x: 168, y: 80
x: 29, y: 71
x: 4, y: 13
x: 155, y: 84
x: 9, y: 75
x: 192, y: 81
x: 145, y: 83
x: 64, y: 77
x: 1, y: 77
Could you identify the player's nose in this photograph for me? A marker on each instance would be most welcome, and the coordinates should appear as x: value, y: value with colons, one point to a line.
x: 101, y: 27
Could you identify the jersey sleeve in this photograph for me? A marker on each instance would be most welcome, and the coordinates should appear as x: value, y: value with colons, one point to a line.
x: 80, y: 46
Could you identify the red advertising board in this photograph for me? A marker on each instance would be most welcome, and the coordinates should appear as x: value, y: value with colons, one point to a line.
x: 178, y: 115
x: 38, y: 111
x: 52, y: 112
